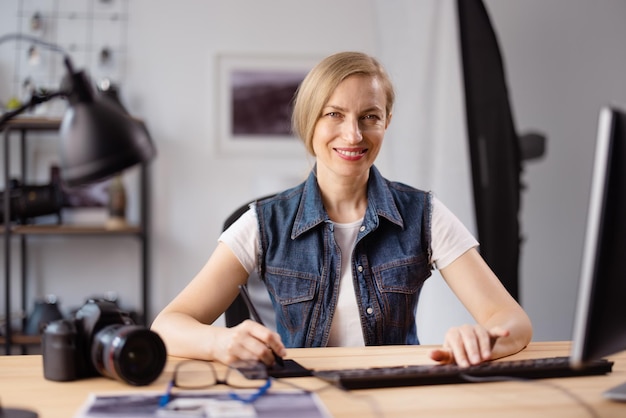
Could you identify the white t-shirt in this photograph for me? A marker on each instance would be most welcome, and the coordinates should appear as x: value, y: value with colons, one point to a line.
x: 449, y: 240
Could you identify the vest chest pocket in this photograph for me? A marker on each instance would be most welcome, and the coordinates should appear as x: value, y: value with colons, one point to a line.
x: 399, y: 283
x: 293, y: 293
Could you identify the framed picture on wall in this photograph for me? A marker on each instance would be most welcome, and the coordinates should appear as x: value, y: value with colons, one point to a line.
x: 255, y: 101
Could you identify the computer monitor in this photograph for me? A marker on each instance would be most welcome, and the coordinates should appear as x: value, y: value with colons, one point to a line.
x: 600, y: 321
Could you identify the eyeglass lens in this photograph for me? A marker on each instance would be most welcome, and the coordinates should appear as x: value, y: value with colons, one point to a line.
x: 201, y: 374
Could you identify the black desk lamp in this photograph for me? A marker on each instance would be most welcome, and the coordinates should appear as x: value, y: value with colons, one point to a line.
x: 98, y: 139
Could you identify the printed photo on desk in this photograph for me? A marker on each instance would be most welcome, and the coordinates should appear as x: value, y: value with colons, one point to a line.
x: 275, y: 404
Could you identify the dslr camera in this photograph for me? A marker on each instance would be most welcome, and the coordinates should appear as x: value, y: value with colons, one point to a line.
x: 102, y: 340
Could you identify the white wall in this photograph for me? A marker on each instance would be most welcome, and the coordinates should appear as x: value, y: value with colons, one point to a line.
x: 564, y: 58
x: 195, y: 186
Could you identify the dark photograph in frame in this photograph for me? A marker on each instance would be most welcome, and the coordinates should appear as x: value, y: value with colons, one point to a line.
x: 256, y: 94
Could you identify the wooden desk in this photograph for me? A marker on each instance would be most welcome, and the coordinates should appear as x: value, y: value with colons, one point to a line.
x: 22, y: 385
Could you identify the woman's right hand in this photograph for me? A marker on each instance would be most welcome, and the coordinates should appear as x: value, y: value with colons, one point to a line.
x: 248, y: 341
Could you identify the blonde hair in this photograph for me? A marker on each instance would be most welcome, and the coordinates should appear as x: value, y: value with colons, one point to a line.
x: 321, y: 82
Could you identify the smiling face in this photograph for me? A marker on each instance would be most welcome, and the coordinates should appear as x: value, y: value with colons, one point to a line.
x: 349, y: 132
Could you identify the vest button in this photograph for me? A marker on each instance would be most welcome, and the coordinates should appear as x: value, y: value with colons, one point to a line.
x: 362, y: 228
x: 369, y: 310
x: 360, y: 269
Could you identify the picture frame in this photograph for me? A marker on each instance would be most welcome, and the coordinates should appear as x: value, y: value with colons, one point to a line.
x: 255, y: 98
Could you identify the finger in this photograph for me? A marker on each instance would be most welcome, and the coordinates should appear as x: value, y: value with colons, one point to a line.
x: 474, y: 338
x: 276, y: 344
x: 455, y: 345
x: 498, y: 332
x: 485, y: 343
x: 470, y: 344
x: 265, y: 343
x: 494, y: 334
x: 462, y: 342
x: 461, y: 356
x: 442, y: 356
x: 243, y: 345
x: 259, y: 351
x: 479, y: 341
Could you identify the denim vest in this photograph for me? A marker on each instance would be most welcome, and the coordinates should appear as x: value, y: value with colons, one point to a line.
x: 300, y: 262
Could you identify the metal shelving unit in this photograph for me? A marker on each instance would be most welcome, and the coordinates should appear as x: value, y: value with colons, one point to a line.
x: 23, y: 126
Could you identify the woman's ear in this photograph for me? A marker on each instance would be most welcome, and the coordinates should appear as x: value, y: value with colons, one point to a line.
x: 388, y: 121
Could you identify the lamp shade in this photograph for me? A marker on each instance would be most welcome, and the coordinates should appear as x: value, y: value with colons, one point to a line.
x: 98, y: 139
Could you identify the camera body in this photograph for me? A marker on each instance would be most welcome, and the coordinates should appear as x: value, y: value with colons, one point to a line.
x: 102, y: 340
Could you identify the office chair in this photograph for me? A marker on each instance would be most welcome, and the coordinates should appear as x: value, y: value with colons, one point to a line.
x: 238, y: 312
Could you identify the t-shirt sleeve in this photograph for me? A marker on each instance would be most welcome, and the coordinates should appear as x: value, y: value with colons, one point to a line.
x: 242, y: 237
x: 450, y: 238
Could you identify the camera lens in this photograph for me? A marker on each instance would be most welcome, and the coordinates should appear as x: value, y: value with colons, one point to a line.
x: 59, y: 344
x: 130, y: 353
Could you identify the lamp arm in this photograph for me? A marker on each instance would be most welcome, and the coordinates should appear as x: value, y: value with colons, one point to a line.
x: 98, y: 139
x: 52, y: 47
x: 35, y: 40
x: 35, y: 100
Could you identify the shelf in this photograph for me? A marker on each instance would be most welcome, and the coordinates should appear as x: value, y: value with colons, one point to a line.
x: 73, y: 230
x: 26, y: 233
x: 21, y: 339
x: 33, y: 123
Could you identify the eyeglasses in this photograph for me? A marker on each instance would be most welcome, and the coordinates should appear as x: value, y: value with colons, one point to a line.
x: 195, y: 374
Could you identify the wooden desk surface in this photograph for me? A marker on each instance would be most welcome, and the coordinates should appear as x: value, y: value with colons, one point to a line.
x: 22, y: 385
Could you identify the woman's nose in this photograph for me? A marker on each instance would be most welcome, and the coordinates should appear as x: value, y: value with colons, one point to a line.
x: 352, y: 131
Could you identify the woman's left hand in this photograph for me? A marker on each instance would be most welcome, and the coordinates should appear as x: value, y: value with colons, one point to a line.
x: 468, y: 345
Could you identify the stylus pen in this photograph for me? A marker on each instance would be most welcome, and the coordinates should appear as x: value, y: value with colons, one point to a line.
x: 255, y: 315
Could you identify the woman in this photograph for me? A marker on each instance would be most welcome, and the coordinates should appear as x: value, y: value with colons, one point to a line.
x: 344, y: 255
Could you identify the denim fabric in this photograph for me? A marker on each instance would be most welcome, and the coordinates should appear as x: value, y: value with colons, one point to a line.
x: 300, y: 262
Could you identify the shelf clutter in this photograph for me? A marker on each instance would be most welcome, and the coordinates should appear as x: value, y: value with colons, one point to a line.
x: 114, y: 224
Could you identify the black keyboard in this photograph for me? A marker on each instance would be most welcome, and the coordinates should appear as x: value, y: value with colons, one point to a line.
x: 417, y: 375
